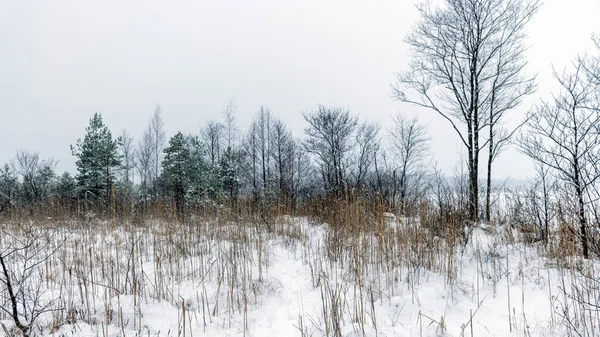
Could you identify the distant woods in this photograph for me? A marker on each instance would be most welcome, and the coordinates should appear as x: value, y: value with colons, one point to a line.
x: 263, y: 165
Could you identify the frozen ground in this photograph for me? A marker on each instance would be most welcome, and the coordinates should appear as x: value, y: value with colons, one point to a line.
x: 292, y: 282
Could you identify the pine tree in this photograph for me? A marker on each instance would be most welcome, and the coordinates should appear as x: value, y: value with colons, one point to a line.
x: 212, y: 178
x: 176, y: 167
x: 66, y: 186
x: 97, y: 158
x: 199, y: 171
x: 228, y: 173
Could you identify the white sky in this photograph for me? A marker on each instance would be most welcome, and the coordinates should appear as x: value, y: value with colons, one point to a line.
x: 61, y: 61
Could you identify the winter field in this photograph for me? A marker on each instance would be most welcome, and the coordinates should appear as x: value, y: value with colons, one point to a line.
x: 293, y: 277
x: 477, y: 122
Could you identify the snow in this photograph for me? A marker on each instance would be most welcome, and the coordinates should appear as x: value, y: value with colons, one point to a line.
x: 390, y: 219
x: 296, y: 283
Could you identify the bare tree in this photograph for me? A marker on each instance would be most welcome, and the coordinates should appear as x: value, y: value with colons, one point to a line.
x: 282, y: 152
x: 458, y: 50
x: 127, y: 153
x: 383, y: 175
x: 268, y: 155
x: 409, y: 143
x: 212, y: 136
x: 158, y: 139
x: 263, y: 126
x: 543, y: 186
x: 367, y: 139
x: 36, y: 175
x: 251, y: 160
x: 230, y: 127
x: 230, y: 159
x: 509, y: 86
x: 591, y: 63
x: 442, y: 194
x: 563, y: 135
x: 330, y: 139
x: 302, y: 172
x: 143, y: 163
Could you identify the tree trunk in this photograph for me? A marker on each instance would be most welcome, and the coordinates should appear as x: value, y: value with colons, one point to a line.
x: 546, y: 208
x: 489, y: 178
x: 473, y: 186
x: 475, y: 173
x: 394, y: 189
x: 282, y: 188
x: 473, y: 192
x: 13, y: 300
x: 403, y: 191
x: 581, y: 206
x: 264, y: 168
x: 582, y: 224
x: 474, y: 139
x: 378, y: 178
x: 107, y: 187
x: 254, y: 178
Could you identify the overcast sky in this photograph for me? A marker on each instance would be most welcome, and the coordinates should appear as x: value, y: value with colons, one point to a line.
x: 61, y: 61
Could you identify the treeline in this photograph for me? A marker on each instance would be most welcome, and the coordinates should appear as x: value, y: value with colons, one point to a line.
x: 263, y: 165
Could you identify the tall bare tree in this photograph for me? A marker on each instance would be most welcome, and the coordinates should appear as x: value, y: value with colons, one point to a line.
x: 381, y: 181
x: 330, y: 139
x: 230, y: 159
x: 442, y: 193
x: 143, y: 163
x: 458, y: 50
x: 509, y: 85
x: 230, y: 127
x: 260, y: 148
x: 36, y: 175
x: 302, y: 172
x: 158, y: 139
x: 543, y: 186
x: 563, y: 135
x: 127, y: 153
x: 252, y: 161
x: 367, y: 140
x: 282, y: 152
x: 212, y: 136
x: 409, y: 144
x: 263, y: 125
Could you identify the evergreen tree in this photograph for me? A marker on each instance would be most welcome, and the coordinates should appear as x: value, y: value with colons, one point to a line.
x: 212, y: 179
x: 199, y: 171
x: 97, y: 158
x: 228, y: 173
x: 66, y: 186
x: 46, y: 179
x: 176, y: 167
x: 9, y: 186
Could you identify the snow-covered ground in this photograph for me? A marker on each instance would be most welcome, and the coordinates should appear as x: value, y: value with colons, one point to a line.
x: 300, y: 279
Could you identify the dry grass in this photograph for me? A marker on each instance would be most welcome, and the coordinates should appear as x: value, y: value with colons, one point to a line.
x: 91, y: 264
